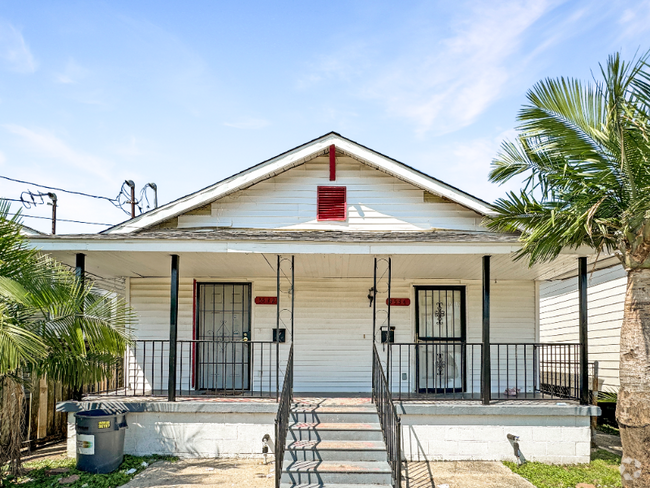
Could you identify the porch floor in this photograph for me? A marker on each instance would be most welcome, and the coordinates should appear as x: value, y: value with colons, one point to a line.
x: 342, y: 399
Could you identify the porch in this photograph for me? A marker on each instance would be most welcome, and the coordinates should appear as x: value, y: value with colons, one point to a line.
x: 442, y: 333
x: 452, y: 314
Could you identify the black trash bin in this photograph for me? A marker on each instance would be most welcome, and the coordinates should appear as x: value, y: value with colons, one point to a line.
x: 100, y: 440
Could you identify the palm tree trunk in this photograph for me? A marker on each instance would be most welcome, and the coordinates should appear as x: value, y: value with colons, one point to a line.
x: 633, y: 408
x: 11, y: 423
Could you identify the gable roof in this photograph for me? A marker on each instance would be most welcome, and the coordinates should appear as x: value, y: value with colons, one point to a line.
x: 290, y: 159
x: 28, y: 231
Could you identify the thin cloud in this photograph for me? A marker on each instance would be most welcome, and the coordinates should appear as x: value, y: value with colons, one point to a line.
x: 466, y: 163
x: 248, y: 123
x: 441, y: 83
x: 635, y: 21
x: 48, y: 145
x: 71, y: 74
x: 451, y: 83
x: 14, y: 51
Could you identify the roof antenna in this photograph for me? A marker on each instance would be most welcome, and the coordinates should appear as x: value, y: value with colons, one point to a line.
x: 154, y: 187
x: 131, y: 185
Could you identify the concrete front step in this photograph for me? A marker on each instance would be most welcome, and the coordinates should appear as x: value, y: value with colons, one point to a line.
x: 334, y: 408
x: 335, y: 451
x: 333, y: 414
x: 330, y: 485
x: 334, y: 431
x: 337, y: 472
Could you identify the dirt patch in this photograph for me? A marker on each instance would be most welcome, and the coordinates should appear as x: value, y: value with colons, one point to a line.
x: 54, y: 452
x: 461, y: 474
x: 250, y: 473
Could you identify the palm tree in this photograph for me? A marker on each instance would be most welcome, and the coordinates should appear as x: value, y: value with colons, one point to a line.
x: 52, y: 325
x: 583, y: 150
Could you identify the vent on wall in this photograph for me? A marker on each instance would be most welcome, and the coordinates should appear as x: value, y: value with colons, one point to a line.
x: 331, y: 203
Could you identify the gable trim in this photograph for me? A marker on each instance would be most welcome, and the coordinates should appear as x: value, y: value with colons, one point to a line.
x: 290, y: 159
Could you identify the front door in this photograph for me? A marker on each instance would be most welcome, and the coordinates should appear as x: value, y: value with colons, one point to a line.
x: 223, y: 327
x: 440, y: 329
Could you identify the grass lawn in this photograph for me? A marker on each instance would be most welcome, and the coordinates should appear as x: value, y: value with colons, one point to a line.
x: 602, y: 472
x: 36, y: 476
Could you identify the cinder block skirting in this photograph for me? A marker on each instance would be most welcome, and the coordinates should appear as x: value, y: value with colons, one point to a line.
x: 188, y: 429
x: 548, y: 433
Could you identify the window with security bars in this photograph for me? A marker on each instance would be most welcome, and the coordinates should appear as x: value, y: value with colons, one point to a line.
x: 331, y: 204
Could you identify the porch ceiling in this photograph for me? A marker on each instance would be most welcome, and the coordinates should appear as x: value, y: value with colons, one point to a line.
x: 260, y: 265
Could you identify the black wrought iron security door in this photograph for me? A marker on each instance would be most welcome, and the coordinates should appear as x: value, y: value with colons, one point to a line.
x: 440, y: 328
x: 223, y: 329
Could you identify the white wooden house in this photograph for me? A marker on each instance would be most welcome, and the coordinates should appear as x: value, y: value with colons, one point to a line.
x: 337, y: 249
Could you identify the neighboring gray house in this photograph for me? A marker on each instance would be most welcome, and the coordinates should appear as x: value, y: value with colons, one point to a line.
x: 558, y: 314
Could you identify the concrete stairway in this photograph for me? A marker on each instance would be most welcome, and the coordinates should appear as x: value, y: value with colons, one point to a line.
x: 335, y: 446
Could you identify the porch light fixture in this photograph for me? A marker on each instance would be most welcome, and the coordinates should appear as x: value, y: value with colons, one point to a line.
x: 371, y: 295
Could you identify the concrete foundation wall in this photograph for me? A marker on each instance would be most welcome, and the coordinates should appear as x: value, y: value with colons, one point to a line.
x: 454, y: 433
x: 206, y: 433
x: 548, y: 433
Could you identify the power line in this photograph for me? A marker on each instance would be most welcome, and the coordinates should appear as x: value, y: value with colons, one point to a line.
x: 120, y: 201
x: 61, y: 220
x: 58, y: 189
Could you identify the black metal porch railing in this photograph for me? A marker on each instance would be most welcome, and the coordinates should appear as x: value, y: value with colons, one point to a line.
x: 390, y: 422
x: 451, y: 370
x: 204, y: 368
x: 445, y: 369
x: 282, y: 418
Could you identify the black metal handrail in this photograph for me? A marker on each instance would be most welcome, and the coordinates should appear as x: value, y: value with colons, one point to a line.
x: 391, y: 425
x: 282, y: 417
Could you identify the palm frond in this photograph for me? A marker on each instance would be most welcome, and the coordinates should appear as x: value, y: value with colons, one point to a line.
x: 584, y: 152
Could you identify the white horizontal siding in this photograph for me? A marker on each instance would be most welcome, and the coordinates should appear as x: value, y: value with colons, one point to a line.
x: 333, y: 329
x: 605, y: 299
x: 376, y: 201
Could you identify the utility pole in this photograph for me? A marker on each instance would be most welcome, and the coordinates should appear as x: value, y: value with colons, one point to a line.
x: 131, y: 185
x: 54, y: 199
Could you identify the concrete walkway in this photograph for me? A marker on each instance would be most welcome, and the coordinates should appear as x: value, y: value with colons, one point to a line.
x: 190, y: 473
x: 462, y: 474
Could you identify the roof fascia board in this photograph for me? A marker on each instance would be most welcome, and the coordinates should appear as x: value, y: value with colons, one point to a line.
x: 45, y: 244
x: 190, y: 245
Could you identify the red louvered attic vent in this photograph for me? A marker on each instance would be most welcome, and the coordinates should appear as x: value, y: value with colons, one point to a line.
x: 331, y: 203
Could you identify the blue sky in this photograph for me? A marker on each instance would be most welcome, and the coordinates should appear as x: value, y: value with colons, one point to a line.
x: 187, y: 93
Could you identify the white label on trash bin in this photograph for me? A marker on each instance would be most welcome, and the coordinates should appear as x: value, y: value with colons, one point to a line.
x: 85, y: 444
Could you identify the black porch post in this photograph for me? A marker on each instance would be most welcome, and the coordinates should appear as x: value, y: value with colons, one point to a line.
x: 582, y: 317
x: 80, y: 269
x: 486, y: 369
x: 277, y: 334
x: 80, y: 272
x: 173, y: 330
